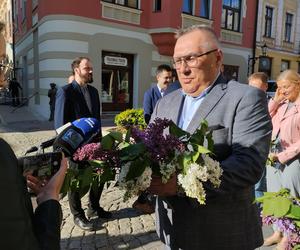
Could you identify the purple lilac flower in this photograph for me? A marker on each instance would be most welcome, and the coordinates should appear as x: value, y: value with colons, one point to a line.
x: 93, y: 151
x: 160, y: 146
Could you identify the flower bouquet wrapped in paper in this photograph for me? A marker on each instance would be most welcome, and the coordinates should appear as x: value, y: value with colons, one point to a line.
x: 156, y: 160
x: 283, y: 211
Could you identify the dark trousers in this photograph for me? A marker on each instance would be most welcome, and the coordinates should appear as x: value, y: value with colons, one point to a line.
x: 94, y: 198
x: 15, y: 98
x: 52, y: 109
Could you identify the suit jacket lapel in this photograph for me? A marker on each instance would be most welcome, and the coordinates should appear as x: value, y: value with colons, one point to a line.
x: 210, y: 101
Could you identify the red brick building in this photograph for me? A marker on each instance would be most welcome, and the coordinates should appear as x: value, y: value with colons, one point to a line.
x: 125, y: 39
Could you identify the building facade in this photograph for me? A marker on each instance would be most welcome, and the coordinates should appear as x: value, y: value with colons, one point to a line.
x: 125, y: 39
x: 280, y: 33
x: 6, y: 42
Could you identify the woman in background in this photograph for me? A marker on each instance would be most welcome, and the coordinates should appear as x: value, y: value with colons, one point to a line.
x: 284, y: 109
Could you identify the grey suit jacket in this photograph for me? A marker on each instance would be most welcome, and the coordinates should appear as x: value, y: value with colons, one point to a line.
x: 241, y: 125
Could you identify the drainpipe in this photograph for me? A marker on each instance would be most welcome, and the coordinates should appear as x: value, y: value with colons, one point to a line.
x: 13, y: 36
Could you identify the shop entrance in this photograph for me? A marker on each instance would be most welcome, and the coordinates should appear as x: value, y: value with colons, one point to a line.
x: 117, y: 81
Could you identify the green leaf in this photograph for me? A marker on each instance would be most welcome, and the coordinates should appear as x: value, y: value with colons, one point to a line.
x: 297, y: 247
x: 116, y: 135
x: 294, y: 212
x: 210, y: 141
x: 107, y: 142
x: 133, y: 151
x: 178, y: 132
x: 66, y: 184
x: 136, y: 169
x: 128, y: 135
x: 278, y: 206
x: 97, y: 163
x: 107, y: 175
x: 87, y: 177
x: 297, y: 223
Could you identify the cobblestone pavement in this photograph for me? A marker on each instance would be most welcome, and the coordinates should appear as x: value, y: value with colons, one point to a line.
x: 128, y: 229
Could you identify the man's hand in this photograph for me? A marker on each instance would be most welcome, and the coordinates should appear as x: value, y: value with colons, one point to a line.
x: 161, y: 189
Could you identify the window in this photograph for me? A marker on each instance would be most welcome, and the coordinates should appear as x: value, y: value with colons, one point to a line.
x: 187, y: 7
x: 156, y: 5
x: 288, y: 27
x: 231, y: 14
x: 284, y: 65
x: 205, y: 8
x: 128, y: 3
x: 268, y: 21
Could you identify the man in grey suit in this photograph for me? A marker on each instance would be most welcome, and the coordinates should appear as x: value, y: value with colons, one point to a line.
x: 238, y: 116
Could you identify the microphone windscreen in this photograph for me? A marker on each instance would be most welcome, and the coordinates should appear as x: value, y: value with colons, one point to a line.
x: 76, y: 134
x: 88, y: 126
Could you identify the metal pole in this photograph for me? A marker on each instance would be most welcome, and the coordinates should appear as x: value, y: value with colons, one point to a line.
x: 13, y: 36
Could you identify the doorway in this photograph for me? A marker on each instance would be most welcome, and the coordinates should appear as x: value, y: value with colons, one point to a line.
x: 117, y: 81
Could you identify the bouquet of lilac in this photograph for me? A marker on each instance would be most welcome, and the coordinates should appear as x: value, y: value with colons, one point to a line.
x: 283, y: 211
x: 99, y: 163
x: 176, y: 153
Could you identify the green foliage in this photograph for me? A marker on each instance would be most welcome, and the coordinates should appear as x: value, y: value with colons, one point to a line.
x: 280, y: 204
x: 129, y: 118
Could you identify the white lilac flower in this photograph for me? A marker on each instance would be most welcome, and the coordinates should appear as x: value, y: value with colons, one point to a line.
x: 214, y: 170
x: 167, y: 170
x: 133, y: 187
x: 192, y: 180
x: 192, y: 186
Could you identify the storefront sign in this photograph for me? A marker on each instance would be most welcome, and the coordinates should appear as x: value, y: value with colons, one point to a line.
x: 116, y: 61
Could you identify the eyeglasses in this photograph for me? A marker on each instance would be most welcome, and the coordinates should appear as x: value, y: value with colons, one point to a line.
x: 190, y: 60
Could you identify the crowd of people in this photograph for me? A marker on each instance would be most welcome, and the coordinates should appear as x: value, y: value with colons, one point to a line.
x: 243, y: 120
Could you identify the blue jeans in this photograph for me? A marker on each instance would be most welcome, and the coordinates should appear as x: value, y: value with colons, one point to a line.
x: 261, y: 185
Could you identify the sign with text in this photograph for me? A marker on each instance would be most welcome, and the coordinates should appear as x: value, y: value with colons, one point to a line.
x: 115, y: 60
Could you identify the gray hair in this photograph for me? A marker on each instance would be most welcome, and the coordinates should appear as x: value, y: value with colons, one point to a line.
x: 203, y: 28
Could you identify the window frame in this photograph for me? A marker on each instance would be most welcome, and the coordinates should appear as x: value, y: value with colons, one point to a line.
x: 137, y: 5
x: 268, y: 21
x: 229, y: 8
x: 157, y: 5
x: 205, y: 4
x: 288, y: 27
x: 191, y: 7
x: 283, y: 62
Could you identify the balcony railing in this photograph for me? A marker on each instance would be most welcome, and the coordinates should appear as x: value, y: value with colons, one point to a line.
x: 121, y: 13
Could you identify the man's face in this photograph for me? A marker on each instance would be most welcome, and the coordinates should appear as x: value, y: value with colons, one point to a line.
x: 258, y: 83
x: 84, y: 71
x: 203, y: 69
x: 164, y: 78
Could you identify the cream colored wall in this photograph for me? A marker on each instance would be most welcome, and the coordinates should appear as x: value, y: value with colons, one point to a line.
x: 75, y: 36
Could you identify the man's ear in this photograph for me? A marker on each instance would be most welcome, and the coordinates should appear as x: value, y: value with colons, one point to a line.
x: 219, y: 57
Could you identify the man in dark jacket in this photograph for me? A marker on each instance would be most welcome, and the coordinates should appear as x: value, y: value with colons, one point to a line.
x: 73, y: 101
x: 52, y: 94
x: 14, y: 87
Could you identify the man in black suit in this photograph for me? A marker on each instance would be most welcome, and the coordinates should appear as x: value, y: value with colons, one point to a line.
x: 73, y: 101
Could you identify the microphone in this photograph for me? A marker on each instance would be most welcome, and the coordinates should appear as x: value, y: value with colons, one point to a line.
x: 76, y: 134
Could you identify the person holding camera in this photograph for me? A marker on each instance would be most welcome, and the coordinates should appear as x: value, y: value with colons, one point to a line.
x: 20, y: 227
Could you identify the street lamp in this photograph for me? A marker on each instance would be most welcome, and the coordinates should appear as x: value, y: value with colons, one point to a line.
x: 252, y: 60
x: 264, y: 49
